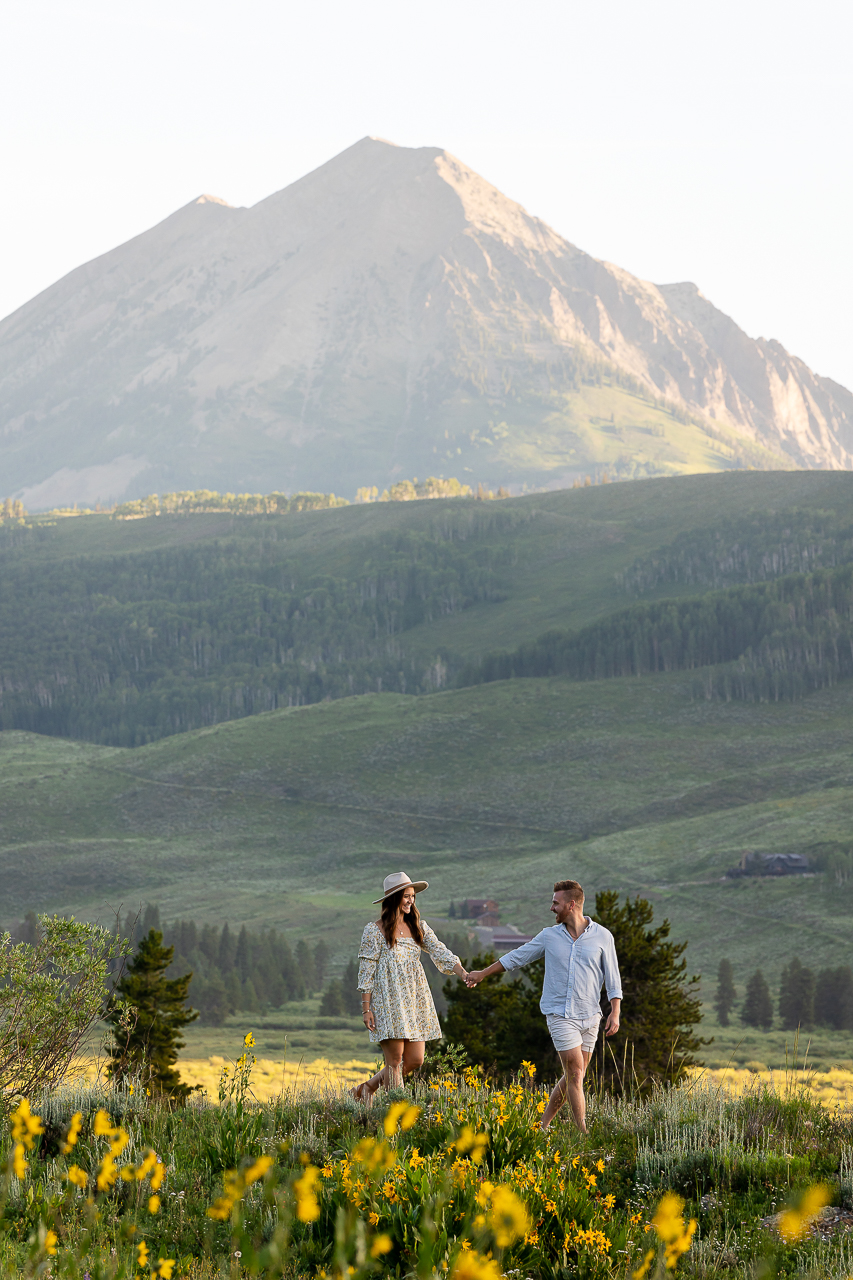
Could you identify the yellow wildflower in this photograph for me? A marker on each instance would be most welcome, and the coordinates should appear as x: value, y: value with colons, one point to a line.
x: 19, y: 1161
x: 600, y: 1166
x: 73, y: 1132
x: 307, y: 1204
x: 416, y: 1159
x: 608, y: 1202
x: 469, y: 1141
x: 249, y: 1040
x: 142, y: 1254
x: 51, y: 1240
x: 509, y: 1218
x: 471, y: 1265
x: 530, y: 1068
x: 165, y: 1267
x: 381, y: 1244
x: 260, y: 1168
x: 78, y: 1177
x: 794, y: 1223
x: 373, y: 1218
x: 153, y: 1204
x: 157, y: 1176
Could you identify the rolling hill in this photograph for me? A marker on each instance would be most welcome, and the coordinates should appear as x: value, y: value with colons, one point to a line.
x: 644, y: 783
x: 391, y: 314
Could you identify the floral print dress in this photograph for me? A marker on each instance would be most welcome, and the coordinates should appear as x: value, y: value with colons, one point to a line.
x: 401, y: 999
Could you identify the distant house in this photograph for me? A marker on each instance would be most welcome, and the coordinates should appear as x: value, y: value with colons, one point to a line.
x: 475, y: 907
x: 771, y: 864
x: 501, y: 939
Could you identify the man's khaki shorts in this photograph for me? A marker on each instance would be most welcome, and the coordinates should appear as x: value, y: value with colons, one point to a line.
x: 568, y: 1033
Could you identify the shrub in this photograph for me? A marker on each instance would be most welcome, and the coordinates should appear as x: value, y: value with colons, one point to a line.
x: 52, y: 991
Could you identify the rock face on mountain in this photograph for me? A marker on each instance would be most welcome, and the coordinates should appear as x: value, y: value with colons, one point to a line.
x: 389, y: 315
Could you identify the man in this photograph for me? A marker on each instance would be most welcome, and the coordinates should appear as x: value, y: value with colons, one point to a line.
x: 580, y: 955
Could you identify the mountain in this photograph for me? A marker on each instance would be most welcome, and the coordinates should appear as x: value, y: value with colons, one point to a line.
x: 390, y: 314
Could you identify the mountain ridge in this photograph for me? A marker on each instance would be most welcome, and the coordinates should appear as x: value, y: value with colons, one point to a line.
x: 389, y: 313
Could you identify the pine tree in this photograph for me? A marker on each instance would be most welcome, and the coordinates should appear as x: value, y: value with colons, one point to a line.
x: 834, y: 998
x: 321, y: 962
x: 225, y: 950
x: 757, y: 1008
x: 725, y: 995
x: 659, y: 1007
x: 147, y: 1044
x: 452, y: 912
x: 796, y: 996
x: 242, y: 959
x: 305, y: 964
x: 332, y: 1003
x: 352, y: 995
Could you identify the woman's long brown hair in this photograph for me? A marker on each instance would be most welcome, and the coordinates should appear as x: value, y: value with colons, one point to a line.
x: 388, y: 919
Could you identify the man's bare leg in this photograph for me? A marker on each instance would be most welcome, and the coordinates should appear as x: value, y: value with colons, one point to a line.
x: 574, y: 1063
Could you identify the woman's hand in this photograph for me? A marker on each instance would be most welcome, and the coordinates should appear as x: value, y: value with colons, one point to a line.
x: 368, y: 1019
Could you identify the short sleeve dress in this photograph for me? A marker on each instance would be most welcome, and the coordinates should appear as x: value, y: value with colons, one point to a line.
x: 401, y: 999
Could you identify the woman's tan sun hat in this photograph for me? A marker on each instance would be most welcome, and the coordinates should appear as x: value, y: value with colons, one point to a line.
x: 399, y: 880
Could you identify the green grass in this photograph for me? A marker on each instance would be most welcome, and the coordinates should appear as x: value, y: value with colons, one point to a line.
x: 737, y: 1162
x: 293, y: 818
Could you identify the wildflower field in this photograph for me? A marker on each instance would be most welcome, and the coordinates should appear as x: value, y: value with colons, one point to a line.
x: 452, y: 1177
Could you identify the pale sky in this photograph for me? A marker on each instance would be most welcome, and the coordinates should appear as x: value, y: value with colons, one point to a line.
x: 704, y: 142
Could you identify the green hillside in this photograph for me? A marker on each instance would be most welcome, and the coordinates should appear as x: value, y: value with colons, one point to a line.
x: 653, y: 783
x: 293, y: 818
x: 122, y: 632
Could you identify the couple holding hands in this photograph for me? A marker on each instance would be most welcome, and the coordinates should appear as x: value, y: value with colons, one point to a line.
x: 398, y: 1010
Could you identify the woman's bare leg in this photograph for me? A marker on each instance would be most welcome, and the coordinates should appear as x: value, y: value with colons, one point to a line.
x: 402, y: 1057
x: 413, y: 1056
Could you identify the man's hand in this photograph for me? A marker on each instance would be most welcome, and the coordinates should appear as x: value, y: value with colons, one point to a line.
x: 611, y: 1026
x: 475, y: 976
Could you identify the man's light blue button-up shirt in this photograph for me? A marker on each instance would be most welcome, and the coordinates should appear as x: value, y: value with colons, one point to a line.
x: 575, y: 969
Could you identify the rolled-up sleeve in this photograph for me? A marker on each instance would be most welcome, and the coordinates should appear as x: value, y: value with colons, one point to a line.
x: 368, y: 955
x: 442, y: 957
x: 612, y: 977
x: 532, y: 950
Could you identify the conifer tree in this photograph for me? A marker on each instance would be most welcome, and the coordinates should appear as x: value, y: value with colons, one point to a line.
x: 321, y: 962
x: 332, y: 1003
x: 352, y: 995
x: 659, y: 1006
x: 725, y: 995
x: 834, y: 998
x: 148, y: 1017
x: 796, y: 996
x: 757, y: 1008
x: 305, y: 964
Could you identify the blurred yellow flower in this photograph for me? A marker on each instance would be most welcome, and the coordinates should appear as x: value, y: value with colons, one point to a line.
x: 794, y: 1223
x: 51, y: 1240
x: 153, y: 1204
x: 25, y: 1126
x: 381, y: 1244
x: 307, y: 1204
x: 509, y: 1218
x: 78, y: 1177
x: 19, y: 1161
x: 73, y: 1133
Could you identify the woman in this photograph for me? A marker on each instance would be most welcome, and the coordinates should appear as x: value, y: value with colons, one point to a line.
x: 396, y: 1003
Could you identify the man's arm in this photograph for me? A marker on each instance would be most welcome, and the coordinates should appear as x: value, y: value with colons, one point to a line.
x: 477, y: 975
x: 516, y: 959
x: 613, y: 983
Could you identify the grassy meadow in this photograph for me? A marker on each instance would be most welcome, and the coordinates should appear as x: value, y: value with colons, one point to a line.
x: 452, y: 1177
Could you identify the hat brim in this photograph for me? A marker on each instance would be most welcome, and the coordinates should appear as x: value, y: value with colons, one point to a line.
x: 417, y: 885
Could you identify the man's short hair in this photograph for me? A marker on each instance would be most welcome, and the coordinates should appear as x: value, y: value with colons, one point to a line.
x: 571, y: 887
